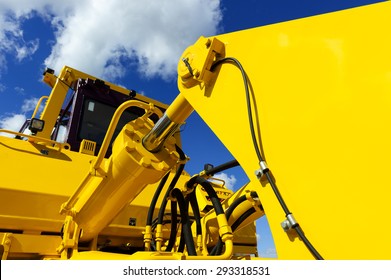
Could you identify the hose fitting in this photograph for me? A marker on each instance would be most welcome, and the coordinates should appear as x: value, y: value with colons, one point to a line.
x: 262, y: 170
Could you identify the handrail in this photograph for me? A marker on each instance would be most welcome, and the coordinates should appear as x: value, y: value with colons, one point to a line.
x: 39, y: 104
x: 35, y: 139
x: 149, y: 110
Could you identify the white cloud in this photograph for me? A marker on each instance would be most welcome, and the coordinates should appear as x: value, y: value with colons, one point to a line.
x: 29, y: 105
x: 230, y: 180
x: 26, y: 49
x: 13, y: 122
x: 100, y: 37
x: 19, y: 90
x: 104, y: 38
x: 12, y: 38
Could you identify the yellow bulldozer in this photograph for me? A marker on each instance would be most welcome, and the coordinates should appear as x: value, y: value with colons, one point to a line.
x: 303, y: 106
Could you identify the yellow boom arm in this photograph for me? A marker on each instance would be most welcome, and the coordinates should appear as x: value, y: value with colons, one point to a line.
x: 319, y: 94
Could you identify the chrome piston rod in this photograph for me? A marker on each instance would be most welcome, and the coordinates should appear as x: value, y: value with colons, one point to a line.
x: 167, y: 125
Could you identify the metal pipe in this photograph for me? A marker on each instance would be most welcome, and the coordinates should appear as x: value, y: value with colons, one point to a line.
x: 113, y: 124
x: 38, y: 105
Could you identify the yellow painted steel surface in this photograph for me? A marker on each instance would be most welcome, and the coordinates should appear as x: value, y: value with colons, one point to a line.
x: 322, y: 95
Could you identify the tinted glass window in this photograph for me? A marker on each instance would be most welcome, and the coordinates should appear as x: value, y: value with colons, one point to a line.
x: 95, y: 120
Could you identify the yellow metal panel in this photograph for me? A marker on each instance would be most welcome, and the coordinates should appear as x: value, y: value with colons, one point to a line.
x: 33, y: 246
x: 322, y: 89
x: 38, y: 168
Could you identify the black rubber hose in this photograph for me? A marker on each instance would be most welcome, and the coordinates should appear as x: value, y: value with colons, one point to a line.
x: 242, y: 218
x: 307, y: 243
x: 174, y: 223
x: 181, y: 246
x: 155, y: 198
x: 296, y: 227
x: 196, y: 212
x: 248, y: 100
x: 217, y: 249
x: 210, y: 190
x: 259, y: 154
x: 186, y: 227
x: 234, y: 204
x: 163, y: 206
x: 178, y: 173
x: 211, y: 193
x: 222, y: 167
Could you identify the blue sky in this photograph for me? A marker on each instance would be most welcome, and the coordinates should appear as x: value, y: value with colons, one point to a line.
x: 135, y: 44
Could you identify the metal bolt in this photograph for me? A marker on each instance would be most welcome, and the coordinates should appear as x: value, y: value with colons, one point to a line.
x: 286, y: 225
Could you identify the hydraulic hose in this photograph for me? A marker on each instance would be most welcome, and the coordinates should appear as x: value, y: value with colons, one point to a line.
x: 215, y: 202
x: 186, y: 227
x: 258, y: 148
x: 155, y: 198
x: 148, y: 228
x: 235, y: 204
x: 196, y: 212
x: 171, y: 186
x: 167, y: 194
x: 217, y: 249
x: 242, y: 218
x: 173, y: 232
x: 182, y: 244
x: 222, y: 167
x: 210, y: 190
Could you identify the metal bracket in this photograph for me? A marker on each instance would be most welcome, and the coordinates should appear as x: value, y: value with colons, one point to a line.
x: 262, y: 170
x: 5, y: 244
x: 70, y: 237
x: 197, y: 60
x: 289, y: 223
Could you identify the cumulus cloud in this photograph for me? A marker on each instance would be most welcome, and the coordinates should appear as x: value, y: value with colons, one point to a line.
x: 14, y: 121
x: 12, y: 40
x: 230, y: 180
x: 29, y: 104
x: 153, y: 34
x: 105, y: 38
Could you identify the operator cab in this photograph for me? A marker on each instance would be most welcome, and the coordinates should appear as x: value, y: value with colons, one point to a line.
x: 88, y: 113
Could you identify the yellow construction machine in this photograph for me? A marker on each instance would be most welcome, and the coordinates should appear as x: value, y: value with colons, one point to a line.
x: 303, y: 106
